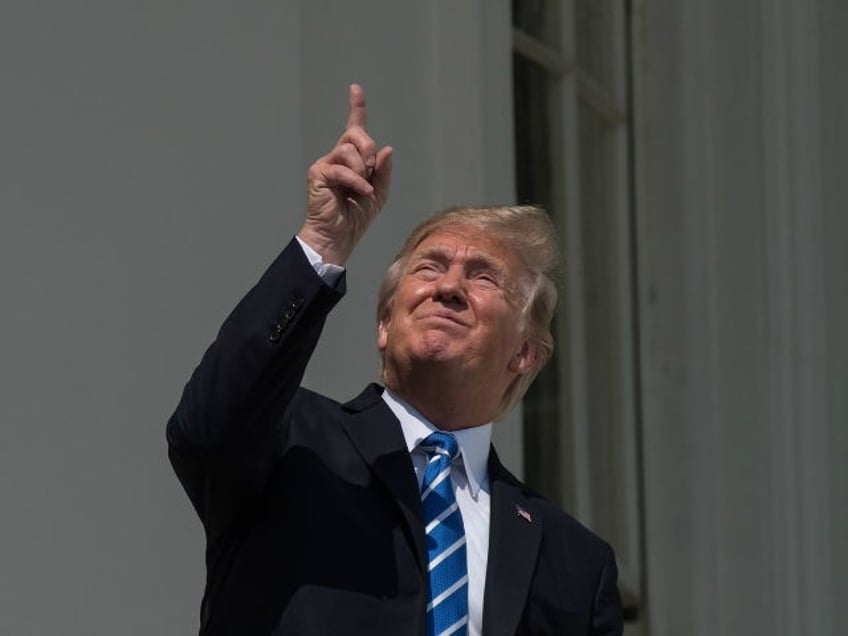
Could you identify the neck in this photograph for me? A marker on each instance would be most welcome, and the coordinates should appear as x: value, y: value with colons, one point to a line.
x: 449, y: 401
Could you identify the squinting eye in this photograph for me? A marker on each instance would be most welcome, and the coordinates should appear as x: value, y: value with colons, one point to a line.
x: 487, y: 279
x: 425, y: 270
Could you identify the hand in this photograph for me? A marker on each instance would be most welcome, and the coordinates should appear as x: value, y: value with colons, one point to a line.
x: 347, y: 187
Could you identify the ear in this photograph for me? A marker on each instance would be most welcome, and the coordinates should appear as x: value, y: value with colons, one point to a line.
x: 382, y: 335
x: 525, y: 360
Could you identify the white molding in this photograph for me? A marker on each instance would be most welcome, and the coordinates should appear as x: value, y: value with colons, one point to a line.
x: 545, y: 56
x: 573, y: 367
x: 796, y: 309
x: 700, y: 317
x: 630, y: 557
x: 620, y: 54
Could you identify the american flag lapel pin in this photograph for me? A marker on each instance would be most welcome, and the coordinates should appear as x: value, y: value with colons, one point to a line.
x: 521, y: 512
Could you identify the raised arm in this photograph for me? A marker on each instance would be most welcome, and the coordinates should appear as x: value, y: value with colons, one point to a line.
x: 224, y: 435
x: 346, y: 188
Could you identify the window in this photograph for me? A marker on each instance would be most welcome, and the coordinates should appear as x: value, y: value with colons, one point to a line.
x: 572, y: 144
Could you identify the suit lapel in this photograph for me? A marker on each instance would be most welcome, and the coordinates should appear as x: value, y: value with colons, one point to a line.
x: 377, y: 436
x: 515, y: 529
x: 515, y: 533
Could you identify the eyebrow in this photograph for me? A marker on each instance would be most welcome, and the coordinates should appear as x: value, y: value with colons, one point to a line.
x: 475, y: 259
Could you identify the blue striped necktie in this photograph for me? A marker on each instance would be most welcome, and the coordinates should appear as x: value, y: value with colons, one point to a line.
x: 447, y: 604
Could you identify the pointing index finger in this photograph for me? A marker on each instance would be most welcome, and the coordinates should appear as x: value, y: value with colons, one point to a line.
x: 357, y: 107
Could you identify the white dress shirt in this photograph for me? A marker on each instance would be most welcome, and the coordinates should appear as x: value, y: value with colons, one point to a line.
x: 329, y: 272
x: 470, y: 477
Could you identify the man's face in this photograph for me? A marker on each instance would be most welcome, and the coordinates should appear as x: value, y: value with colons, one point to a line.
x: 457, y: 307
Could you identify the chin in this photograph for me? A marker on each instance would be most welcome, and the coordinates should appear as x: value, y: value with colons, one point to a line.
x: 433, y: 355
x: 437, y: 346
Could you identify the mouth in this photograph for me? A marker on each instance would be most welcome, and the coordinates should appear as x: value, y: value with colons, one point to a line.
x: 445, y: 317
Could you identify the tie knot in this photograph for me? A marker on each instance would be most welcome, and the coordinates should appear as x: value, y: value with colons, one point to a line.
x: 440, y: 443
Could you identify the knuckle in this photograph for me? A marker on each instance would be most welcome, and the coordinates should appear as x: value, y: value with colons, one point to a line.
x: 344, y: 150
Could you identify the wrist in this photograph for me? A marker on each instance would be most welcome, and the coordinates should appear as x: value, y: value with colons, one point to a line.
x: 327, y: 248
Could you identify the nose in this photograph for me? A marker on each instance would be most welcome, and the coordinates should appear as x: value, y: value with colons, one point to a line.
x: 450, y: 287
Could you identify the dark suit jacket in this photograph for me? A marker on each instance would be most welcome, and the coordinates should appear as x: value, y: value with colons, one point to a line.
x: 311, y: 508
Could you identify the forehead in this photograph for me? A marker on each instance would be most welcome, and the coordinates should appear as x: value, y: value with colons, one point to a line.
x: 468, y: 242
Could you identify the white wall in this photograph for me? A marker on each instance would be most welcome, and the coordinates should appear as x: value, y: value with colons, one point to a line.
x: 832, y: 23
x: 153, y: 158
x: 741, y: 142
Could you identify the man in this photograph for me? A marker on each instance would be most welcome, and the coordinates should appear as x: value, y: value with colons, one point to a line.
x: 390, y: 514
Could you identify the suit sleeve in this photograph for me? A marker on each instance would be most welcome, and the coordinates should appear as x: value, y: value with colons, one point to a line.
x: 607, y: 619
x: 224, y: 435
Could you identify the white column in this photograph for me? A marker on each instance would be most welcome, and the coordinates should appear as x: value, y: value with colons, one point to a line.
x: 798, y: 407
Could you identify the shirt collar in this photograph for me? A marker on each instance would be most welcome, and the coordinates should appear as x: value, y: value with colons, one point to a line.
x: 473, y: 442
